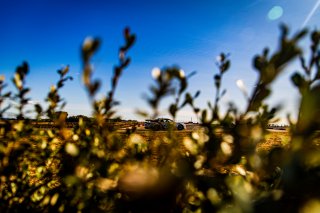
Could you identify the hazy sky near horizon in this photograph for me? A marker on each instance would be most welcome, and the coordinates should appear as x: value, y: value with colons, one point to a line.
x: 48, y: 35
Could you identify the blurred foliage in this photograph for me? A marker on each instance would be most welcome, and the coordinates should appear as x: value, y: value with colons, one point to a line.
x: 220, y: 167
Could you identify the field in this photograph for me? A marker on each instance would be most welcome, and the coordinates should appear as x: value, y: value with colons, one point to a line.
x: 280, y: 138
x: 275, y: 138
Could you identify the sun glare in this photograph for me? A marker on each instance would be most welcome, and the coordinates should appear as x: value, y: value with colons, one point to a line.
x: 275, y: 13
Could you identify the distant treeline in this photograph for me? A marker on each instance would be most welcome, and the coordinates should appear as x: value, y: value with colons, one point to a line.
x: 70, y: 121
x: 75, y: 118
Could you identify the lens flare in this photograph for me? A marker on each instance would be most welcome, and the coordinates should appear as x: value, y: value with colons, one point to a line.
x: 275, y: 13
x: 315, y: 7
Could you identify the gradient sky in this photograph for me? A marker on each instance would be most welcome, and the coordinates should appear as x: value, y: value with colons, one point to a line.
x: 189, y: 33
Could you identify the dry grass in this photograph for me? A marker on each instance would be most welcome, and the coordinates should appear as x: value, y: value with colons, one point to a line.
x: 274, y: 139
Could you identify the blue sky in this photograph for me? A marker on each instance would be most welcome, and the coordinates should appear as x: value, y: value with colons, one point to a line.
x: 189, y: 33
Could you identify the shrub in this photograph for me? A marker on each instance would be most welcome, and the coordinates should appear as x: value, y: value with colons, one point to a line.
x: 95, y: 168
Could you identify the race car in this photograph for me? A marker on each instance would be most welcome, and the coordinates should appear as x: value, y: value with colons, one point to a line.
x: 163, y: 124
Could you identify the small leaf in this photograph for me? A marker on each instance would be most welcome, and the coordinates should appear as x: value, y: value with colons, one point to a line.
x: 126, y: 32
x: 309, y: 117
x: 94, y: 87
x: 131, y: 40
x: 141, y: 113
x: 65, y: 70
x: 24, y: 91
x: 5, y: 109
x: 173, y: 109
x: 191, y: 74
x: 197, y: 94
x: 317, y: 77
x: 258, y: 63
x: 188, y: 98
x: 265, y: 52
x: 38, y: 108
x: 222, y: 57
x: 303, y: 64
x: 7, y: 95
x: 63, y: 105
x: 204, y: 116
x: 223, y: 93
x: 257, y: 99
x: 284, y: 31
x: 89, y: 47
x: 225, y: 67
x: 315, y: 37
x: 300, y: 35
x: 298, y: 80
x: 217, y: 80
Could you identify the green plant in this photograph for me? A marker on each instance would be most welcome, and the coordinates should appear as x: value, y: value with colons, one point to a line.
x: 93, y: 167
